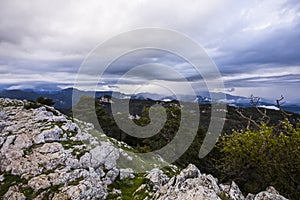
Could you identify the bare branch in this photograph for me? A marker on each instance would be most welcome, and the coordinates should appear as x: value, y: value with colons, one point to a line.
x: 250, y: 120
x: 249, y: 123
x: 254, y: 100
x: 279, y: 102
x: 264, y: 115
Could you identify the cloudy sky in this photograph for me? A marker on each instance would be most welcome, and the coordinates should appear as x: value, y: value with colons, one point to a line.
x: 255, y: 44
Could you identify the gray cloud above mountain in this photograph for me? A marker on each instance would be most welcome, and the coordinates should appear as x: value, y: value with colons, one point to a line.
x: 254, y: 43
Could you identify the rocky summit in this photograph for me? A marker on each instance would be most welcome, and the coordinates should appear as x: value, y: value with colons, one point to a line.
x: 47, y: 155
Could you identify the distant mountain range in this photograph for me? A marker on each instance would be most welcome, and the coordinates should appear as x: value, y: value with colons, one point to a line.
x: 63, y: 98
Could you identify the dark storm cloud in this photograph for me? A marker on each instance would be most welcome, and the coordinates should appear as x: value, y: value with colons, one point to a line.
x: 279, y: 47
x: 149, y: 59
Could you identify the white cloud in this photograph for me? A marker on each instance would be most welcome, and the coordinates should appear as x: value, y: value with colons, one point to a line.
x: 263, y: 73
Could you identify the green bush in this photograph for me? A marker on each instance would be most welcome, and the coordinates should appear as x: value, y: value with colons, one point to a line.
x: 268, y: 156
x: 45, y: 101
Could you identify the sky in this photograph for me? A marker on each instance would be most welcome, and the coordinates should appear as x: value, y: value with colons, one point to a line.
x: 255, y: 44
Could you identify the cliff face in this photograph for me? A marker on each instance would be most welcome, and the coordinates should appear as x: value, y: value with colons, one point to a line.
x: 45, y: 155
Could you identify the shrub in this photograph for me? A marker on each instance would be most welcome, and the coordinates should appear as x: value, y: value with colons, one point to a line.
x: 267, y: 156
x: 45, y: 101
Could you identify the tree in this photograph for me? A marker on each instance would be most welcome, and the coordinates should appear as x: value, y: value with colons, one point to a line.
x: 45, y: 101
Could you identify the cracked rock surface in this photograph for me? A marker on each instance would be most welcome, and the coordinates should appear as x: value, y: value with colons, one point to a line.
x: 43, y: 155
x: 191, y: 184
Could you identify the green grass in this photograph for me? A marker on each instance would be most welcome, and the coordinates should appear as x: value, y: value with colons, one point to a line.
x: 70, y: 143
x: 49, y: 191
x: 223, y: 196
x: 76, y: 181
x: 33, y: 105
x: 128, y: 187
x: 78, y: 152
x: 30, y: 149
x: 169, y: 171
x: 55, y: 112
x: 10, y: 180
x: 28, y: 192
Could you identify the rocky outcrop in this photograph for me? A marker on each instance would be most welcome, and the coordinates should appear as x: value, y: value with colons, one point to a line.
x: 191, y: 184
x: 157, y: 178
x: 270, y: 194
x: 232, y: 191
x: 46, y: 155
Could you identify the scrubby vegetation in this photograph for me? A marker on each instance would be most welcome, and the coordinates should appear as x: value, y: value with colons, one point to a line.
x: 45, y: 101
x: 128, y: 188
x: 267, y: 156
x: 40, y: 101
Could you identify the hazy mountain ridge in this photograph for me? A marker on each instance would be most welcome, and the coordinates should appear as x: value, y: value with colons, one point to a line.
x: 63, y: 98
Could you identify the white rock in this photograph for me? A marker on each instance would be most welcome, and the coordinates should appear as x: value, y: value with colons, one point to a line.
x: 117, y: 192
x: 38, y: 139
x: 157, y: 178
x: 42, y: 115
x: 70, y: 126
x: 1, y: 178
x: 190, y: 172
x: 232, y: 191
x: 72, y: 163
x: 53, y: 134
x: 23, y: 141
x: 13, y: 194
x: 2, y: 140
x: 105, y: 154
x: 190, y: 184
x: 191, y: 191
x: 9, y: 140
x: 3, y: 115
x: 85, y: 160
x: 269, y: 194
x: 126, y: 173
x: 50, y: 148
x: 250, y: 197
x: 60, y: 118
x: 111, y: 176
x: 39, y: 182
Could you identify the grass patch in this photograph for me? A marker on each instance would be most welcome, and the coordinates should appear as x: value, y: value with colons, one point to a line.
x: 76, y: 181
x: 170, y: 172
x: 59, y: 166
x: 128, y: 187
x: 31, y: 148
x: 10, y: 180
x: 32, y: 105
x: 223, y: 196
x: 55, y: 112
x: 78, y: 153
x: 70, y: 143
x: 49, y: 191
x: 28, y: 192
